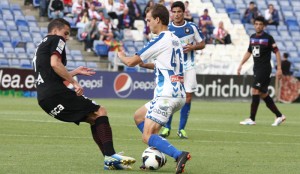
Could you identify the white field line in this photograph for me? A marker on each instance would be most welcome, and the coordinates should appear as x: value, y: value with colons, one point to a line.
x: 132, y: 125
x: 138, y: 139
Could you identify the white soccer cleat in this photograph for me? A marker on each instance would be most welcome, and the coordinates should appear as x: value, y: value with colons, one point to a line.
x: 248, y: 121
x: 118, y: 162
x: 279, y: 120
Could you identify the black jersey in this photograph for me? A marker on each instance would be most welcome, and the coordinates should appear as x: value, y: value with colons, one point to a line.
x: 261, y: 47
x: 48, y: 83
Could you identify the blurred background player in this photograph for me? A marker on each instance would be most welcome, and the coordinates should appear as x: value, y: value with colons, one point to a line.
x: 169, y: 94
x: 261, y: 45
x: 67, y: 105
x: 191, y: 39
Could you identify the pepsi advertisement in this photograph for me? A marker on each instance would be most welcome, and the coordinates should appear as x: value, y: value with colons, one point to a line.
x: 118, y: 85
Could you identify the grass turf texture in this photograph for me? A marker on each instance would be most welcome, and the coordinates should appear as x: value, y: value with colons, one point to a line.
x: 33, y: 142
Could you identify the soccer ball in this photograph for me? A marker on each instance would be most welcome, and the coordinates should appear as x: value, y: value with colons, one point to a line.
x: 153, y: 159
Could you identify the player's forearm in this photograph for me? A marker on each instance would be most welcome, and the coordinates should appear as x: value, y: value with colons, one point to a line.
x: 200, y: 46
x: 278, y: 59
x: 61, y: 70
x: 147, y: 65
x: 245, y: 58
x: 130, y: 61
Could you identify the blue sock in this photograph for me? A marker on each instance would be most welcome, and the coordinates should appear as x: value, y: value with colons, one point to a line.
x: 141, y: 126
x: 168, y: 124
x: 163, y: 145
x: 184, y: 114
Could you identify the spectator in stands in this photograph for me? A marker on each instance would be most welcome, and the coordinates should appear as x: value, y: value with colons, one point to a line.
x: 221, y: 35
x: 205, y: 21
x: 44, y: 7
x: 272, y: 15
x: 162, y: 2
x: 56, y: 8
x: 250, y: 14
x: 187, y: 13
x: 207, y: 37
x: 147, y: 34
x: 90, y: 34
x: 125, y: 20
x: 93, y: 13
x: 286, y: 65
x: 78, y: 6
x: 170, y: 11
x: 122, y: 13
x: 105, y: 29
x: 83, y: 19
x: 134, y: 12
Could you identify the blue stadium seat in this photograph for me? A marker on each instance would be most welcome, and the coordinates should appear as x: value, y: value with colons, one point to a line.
x: 2, y: 25
x: 26, y: 37
x: 130, y: 69
x: 92, y: 65
x: 100, y: 48
x: 25, y: 63
x: 80, y: 63
x: 15, y: 7
x: 30, y: 18
x: 11, y: 25
x: 3, y: 61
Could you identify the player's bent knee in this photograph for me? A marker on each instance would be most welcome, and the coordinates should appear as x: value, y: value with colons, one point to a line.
x: 101, y: 111
x: 145, y: 138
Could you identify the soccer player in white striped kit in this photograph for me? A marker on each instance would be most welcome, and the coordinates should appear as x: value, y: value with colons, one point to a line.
x: 191, y: 39
x: 169, y: 93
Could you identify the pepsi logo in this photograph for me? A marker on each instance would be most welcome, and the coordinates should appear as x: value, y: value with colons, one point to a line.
x: 123, y: 85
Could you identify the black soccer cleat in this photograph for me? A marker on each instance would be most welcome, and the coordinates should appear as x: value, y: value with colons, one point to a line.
x: 181, y: 160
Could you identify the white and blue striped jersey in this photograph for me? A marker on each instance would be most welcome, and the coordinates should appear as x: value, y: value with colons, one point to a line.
x: 167, y: 53
x: 188, y: 33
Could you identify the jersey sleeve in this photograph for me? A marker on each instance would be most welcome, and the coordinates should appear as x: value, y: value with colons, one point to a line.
x: 57, y: 46
x: 273, y: 44
x: 151, y: 49
x: 199, y: 37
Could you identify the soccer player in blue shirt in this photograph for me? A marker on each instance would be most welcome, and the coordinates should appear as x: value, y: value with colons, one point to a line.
x: 169, y: 93
x: 191, y: 39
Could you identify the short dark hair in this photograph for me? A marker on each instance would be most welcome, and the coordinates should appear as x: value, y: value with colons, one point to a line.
x: 285, y: 55
x: 58, y: 23
x: 178, y: 4
x: 252, y: 2
x: 260, y: 19
x: 159, y: 11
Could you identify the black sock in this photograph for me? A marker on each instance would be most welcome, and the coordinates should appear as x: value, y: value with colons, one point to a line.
x: 97, y: 139
x: 254, y: 106
x: 271, y: 105
x: 104, y: 134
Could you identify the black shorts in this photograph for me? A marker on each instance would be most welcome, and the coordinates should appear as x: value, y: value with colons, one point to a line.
x: 261, y: 80
x: 69, y: 107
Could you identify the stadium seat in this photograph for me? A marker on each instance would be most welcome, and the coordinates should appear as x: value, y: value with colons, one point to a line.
x: 100, y: 48
x: 25, y: 63
x: 14, y: 63
x: 3, y: 61
x: 92, y: 65
x: 30, y: 18
x: 80, y: 63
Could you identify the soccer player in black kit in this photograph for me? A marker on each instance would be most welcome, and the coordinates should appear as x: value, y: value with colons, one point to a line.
x: 261, y: 45
x: 69, y: 105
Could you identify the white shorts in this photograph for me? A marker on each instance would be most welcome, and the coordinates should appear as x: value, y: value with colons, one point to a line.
x: 161, y: 108
x: 190, y: 81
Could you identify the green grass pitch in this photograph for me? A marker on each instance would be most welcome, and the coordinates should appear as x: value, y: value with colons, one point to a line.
x: 33, y: 142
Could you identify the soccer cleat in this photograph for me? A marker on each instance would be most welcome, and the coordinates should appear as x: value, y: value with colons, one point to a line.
x: 181, y: 160
x: 118, y: 162
x: 248, y: 121
x: 165, y: 133
x: 279, y: 120
x: 182, y: 134
x: 143, y: 167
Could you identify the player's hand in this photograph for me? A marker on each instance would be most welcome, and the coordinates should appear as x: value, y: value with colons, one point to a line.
x: 279, y: 73
x: 187, y: 48
x: 121, y: 54
x: 239, y: 70
x: 77, y: 88
x: 85, y: 71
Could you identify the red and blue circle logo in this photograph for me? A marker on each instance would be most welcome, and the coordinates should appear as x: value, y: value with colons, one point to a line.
x: 123, y: 85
